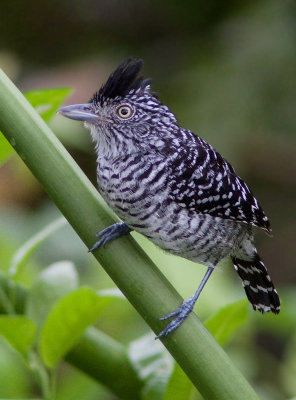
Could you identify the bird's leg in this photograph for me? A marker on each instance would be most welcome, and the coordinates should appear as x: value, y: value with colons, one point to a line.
x: 110, y: 233
x: 182, y: 312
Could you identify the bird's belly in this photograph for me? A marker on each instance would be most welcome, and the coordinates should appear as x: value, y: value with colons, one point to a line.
x: 200, y: 238
x: 192, y: 235
x: 197, y: 237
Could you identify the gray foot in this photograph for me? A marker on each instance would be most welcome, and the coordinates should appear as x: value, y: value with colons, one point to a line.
x: 180, y: 315
x: 186, y: 308
x: 111, y: 232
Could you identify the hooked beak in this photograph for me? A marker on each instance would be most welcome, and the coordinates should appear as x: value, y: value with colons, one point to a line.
x: 81, y: 112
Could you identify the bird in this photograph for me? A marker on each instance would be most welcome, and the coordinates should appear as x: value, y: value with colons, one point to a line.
x: 170, y: 185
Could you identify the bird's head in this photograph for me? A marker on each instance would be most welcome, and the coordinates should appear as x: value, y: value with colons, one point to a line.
x: 124, y: 110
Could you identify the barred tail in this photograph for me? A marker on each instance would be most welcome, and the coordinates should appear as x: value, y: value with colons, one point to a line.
x: 258, y: 285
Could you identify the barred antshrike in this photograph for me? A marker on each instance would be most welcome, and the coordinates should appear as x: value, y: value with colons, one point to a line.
x: 171, y: 186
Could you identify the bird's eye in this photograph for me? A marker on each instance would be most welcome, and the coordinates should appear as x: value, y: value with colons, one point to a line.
x: 125, y: 111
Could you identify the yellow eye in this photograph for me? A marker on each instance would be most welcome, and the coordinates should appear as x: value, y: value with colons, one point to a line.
x: 125, y: 111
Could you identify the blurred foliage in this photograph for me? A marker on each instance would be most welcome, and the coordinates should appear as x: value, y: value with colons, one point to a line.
x: 45, y: 102
x: 228, y: 71
x: 57, y: 312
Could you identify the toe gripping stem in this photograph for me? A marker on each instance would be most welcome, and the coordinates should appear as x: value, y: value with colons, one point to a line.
x: 111, y: 232
x: 181, y: 313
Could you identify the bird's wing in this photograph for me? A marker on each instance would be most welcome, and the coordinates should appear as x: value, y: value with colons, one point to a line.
x: 203, y: 181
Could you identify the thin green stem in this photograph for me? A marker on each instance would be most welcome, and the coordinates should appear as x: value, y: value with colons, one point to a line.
x: 5, y: 302
x: 12, y: 299
x: 199, y: 355
x: 53, y: 383
x: 42, y: 375
x: 24, y: 252
x: 99, y: 355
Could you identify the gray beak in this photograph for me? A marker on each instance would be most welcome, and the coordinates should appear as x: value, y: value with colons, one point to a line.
x: 79, y: 112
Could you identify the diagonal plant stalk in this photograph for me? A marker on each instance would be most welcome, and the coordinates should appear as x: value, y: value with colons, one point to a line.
x: 202, y: 359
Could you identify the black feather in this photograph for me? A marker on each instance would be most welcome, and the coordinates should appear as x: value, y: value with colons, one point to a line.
x: 121, y: 81
x: 257, y: 284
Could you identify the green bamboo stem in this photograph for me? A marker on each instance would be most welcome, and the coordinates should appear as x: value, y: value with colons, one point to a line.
x: 202, y: 359
x: 106, y: 360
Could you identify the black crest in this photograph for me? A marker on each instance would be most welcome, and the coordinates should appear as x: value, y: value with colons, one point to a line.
x: 121, y: 81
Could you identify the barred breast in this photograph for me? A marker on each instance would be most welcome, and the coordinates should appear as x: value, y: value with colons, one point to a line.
x: 137, y: 190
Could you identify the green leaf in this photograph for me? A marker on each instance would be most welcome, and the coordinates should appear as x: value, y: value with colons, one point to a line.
x: 50, y: 286
x: 24, y: 252
x: 179, y: 386
x: 18, y: 331
x: 5, y: 148
x: 227, y: 320
x: 153, y: 364
x: 67, y: 321
x: 47, y: 101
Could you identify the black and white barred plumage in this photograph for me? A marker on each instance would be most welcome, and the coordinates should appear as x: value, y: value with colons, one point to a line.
x: 170, y: 185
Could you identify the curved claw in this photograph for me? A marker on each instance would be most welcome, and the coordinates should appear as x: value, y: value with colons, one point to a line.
x: 180, y: 315
x: 182, y: 312
x: 170, y: 315
x: 99, y: 243
x: 110, y: 233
